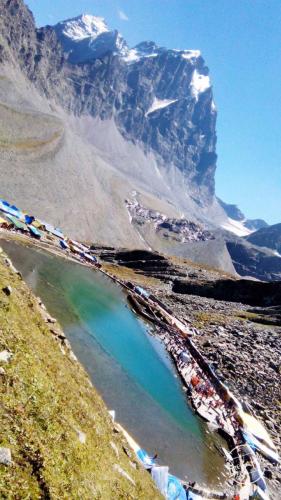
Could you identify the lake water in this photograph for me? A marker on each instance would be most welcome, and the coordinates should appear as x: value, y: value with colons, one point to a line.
x: 127, y: 365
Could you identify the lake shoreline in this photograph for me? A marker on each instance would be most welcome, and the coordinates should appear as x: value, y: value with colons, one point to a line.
x: 109, y: 274
x: 178, y: 447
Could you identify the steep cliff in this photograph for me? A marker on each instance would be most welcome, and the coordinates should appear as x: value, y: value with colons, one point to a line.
x: 159, y: 100
x: 90, y: 127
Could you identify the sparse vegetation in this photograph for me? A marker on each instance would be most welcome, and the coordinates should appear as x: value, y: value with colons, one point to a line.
x: 181, y: 261
x: 126, y: 273
x: 255, y: 318
x: 201, y: 318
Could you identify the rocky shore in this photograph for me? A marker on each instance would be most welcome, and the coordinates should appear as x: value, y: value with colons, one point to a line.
x: 246, y: 356
x: 241, y: 341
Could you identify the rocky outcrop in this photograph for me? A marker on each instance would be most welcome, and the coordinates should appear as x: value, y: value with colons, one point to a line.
x: 180, y: 230
x: 232, y: 210
x: 37, y: 52
x: 153, y: 264
x: 250, y: 260
x: 249, y: 292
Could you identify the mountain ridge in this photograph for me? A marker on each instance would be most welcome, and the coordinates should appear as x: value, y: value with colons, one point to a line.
x: 79, y: 139
x: 182, y: 135
x: 269, y: 237
x: 111, y: 101
x: 234, y: 213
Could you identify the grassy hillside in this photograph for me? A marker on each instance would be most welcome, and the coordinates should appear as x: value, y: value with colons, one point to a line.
x: 61, y: 438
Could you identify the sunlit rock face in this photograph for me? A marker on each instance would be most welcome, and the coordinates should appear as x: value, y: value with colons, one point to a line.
x: 159, y: 98
x: 147, y: 111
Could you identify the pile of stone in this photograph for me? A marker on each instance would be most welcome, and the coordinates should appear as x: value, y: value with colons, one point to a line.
x: 181, y: 230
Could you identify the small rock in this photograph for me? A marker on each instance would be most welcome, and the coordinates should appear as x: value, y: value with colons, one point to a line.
x: 41, y: 304
x: 207, y: 343
x: 66, y: 344
x: 72, y: 356
x: 193, y: 275
x: 220, y: 329
x: 127, y: 451
x: 268, y: 474
x: 81, y: 436
x: 62, y: 349
x: 123, y: 473
x: 275, y: 367
x: 5, y: 356
x: 51, y: 320
x: 114, y: 447
x: 7, y: 290
x: 5, y: 456
x: 270, y: 424
x: 58, y: 333
x: 2, y: 371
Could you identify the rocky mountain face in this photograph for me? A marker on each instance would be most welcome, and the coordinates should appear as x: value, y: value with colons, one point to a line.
x: 158, y: 98
x: 253, y: 261
x: 87, y: 37
x: 269, y: 237
x: 88, y: 125
x: 37, y: 52
x: 235, y: 214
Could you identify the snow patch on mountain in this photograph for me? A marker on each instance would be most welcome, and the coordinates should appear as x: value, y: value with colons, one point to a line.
x: 159, y: 104
x: 191, y: 54
x: 199, y: 83
x: 134, y: 55
x: 236, y: 227
x: 84, y: 26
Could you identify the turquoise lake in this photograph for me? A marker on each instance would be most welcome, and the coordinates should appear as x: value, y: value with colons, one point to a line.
x: 128, y: 366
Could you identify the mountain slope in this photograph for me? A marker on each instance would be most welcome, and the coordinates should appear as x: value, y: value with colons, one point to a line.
x: 269, y: 237
x: 151, y: 105
x: 158, y: 98
x: 56, y: 426
x: 88, y: 124
x: 237, y: 222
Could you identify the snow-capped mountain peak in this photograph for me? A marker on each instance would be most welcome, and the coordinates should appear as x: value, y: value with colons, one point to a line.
x: 84, y: 26
x: 88, y: 37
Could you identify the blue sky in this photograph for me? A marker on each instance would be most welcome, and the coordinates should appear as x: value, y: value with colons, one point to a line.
x: 240, y: 41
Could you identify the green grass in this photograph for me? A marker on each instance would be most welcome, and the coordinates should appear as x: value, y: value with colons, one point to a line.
x: 46, y: 397
x: 129, y: 274
x: 246, y: 315
x: 202, y: 318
